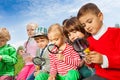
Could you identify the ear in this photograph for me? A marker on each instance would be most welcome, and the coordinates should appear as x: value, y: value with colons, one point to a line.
x: 100, y: 15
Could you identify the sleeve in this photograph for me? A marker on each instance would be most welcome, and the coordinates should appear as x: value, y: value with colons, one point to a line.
x: 53, y: 68
x: 11, y: 58
x: 73, y: 59
x: 113, y: 59
x: 114, y: 53
x: 105, y: 62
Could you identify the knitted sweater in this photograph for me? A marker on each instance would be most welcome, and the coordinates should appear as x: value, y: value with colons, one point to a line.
x: 108, y: 44
x: 72, y: 61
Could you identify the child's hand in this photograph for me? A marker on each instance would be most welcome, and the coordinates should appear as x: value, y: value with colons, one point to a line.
x: 37, y: 67
x: 0, y: 57
x: 51, y: 77
x: 36, y: 73
x: 87, y: 59
x: 21, y: 52
x: 28, y: 58
x: 60, y: 56
x: 94, y: 57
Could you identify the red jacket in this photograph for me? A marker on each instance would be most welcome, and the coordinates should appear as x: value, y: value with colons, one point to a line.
x: 108, y: 44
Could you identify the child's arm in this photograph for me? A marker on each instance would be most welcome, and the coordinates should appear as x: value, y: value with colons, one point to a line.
x: 73, y: 58
x: 53, y: 68
x: 11, y: 58
x: 96, y: 57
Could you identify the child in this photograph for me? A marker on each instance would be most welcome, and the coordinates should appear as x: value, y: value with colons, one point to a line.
x: 64, y: 64
x: 72, y: 31
x: 41, y: 72
x: 8, y: 56
x: 20, y: 63
x: 28, y: 53
x: 104, y: 43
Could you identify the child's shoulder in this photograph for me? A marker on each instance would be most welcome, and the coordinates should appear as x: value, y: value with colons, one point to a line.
x: 69, y: 46
x: 8, y: 46
x: 113, y: 29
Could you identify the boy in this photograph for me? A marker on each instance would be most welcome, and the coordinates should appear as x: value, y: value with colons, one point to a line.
x: 104, y: 43
x: 63, y: 65
x: 8, y: 56
x: 40, y: 36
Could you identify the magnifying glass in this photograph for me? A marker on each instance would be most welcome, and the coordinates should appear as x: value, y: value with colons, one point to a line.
x: 39, y: 61
x: 80, y: 45
x: 52, y: 48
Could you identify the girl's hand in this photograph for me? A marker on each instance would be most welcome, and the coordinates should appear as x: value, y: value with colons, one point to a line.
x: 36, y: 73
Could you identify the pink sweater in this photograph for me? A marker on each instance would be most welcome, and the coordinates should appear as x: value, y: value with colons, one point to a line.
x: 30, y: 48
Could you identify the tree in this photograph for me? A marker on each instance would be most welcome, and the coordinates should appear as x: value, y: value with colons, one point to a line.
x: 117, y: 25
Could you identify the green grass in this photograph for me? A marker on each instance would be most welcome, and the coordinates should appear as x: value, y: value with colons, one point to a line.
x: 19, y: 65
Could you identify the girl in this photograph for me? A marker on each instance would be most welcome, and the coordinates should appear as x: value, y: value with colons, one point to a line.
x: 28, y: 53
x: 63, y: 65
x: 72, y: 31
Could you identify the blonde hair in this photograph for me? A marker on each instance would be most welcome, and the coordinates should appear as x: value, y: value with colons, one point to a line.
x: 33, y: 25
x: 56, y: 28
x: 4, y: 34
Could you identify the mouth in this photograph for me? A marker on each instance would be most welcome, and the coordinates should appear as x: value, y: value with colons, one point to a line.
x: 89, y: 30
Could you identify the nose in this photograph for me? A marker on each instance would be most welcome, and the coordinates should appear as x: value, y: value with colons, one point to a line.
x: 72, y: 37
x: 87, y: 27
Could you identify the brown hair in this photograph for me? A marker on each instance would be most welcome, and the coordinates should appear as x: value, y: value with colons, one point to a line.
x: 88, y: 8
x: 4, y: 34
x: 71, y: 25
x: 40, y: 37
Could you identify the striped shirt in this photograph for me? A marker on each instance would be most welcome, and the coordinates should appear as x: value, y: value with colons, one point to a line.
x: 71, y: 61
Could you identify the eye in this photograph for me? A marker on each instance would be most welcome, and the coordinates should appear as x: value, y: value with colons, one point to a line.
x: 83, y: 25
x: 69, y: 35
x: 89, y: 21
x: 56, y: 39
x: 74, y: 31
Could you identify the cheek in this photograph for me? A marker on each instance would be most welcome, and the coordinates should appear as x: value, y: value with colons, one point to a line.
x: 81, y: 35
x: 86, y: 29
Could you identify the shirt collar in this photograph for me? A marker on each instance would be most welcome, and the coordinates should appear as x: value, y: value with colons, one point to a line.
x: 102, y: 30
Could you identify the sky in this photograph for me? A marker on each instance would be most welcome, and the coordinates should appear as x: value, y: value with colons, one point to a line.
x: 16, y: 14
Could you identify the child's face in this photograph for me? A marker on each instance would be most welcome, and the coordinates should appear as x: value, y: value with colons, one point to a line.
x: 41, y: 42
x: 74, y: 35
x: 56, y: 39
x: 91, y: 22
x: 30, y: 31
x: 2, y: 42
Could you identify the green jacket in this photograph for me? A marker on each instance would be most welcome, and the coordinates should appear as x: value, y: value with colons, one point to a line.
x: 9, y: 58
